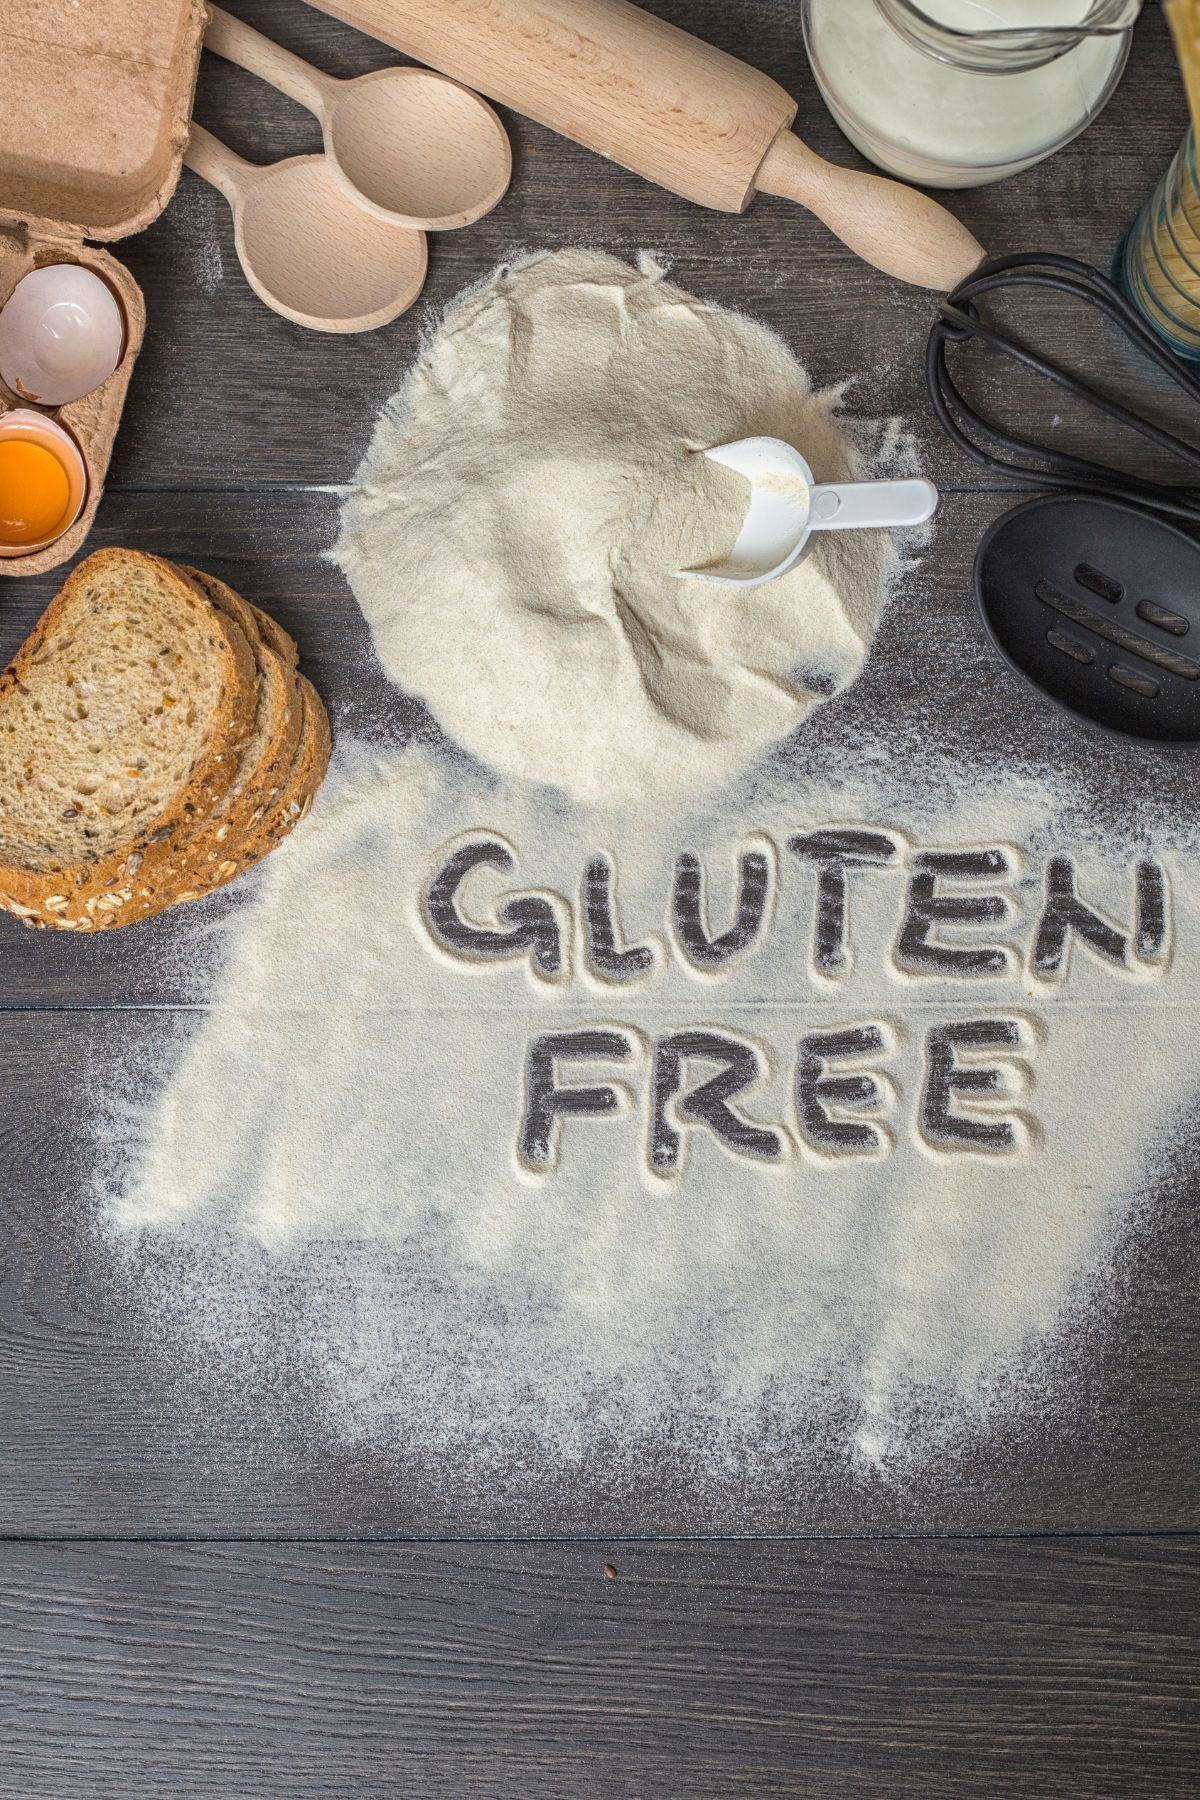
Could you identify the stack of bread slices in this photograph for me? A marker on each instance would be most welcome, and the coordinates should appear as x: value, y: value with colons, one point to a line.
x: 156, y: 739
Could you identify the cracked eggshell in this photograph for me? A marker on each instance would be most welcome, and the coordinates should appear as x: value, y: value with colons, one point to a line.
x: 62, y: 334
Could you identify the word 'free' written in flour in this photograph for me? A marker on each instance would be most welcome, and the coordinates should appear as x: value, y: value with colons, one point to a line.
x: 954, y: 907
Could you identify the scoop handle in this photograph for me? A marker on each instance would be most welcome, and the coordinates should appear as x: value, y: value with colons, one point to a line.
x: 239, y: 43
x: 866, y: 505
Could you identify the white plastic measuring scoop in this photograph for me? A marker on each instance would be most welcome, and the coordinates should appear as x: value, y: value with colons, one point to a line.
x: 786, y: 507
x: 414, y: 147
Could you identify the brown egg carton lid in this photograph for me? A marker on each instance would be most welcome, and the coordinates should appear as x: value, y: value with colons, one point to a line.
x: 97, y: 95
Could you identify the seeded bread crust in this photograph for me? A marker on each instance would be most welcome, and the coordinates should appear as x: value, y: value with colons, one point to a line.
x: 117, y: 895
x: 154, y: 879
x: 55, y: 894
x: 283, y: 813
x: 111, y: 896
x: 255, y: 789
x: 224, y: 598
x: 225, y: 861
x: 174, y: 868
x: 251, y: 813
x: 272, y: 633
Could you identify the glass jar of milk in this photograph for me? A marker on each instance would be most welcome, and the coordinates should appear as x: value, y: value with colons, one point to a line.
x: 955, y: 93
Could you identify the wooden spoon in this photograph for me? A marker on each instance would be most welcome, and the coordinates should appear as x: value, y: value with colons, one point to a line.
x: 415, y: 147
x: 307, y: 249
x: 677, y: 110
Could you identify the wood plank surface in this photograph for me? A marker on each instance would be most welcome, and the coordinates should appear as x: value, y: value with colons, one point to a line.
x: 931, y: 669
x: 887, y: 1671
x: 120, y: 1418
x: 1056, y: 1665
x: 227, y: 394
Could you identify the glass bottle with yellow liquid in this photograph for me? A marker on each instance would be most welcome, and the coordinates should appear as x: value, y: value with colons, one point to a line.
x: 1158, y: 264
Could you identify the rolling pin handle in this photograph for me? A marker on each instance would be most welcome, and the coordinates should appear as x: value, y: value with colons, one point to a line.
x: 901, y: 231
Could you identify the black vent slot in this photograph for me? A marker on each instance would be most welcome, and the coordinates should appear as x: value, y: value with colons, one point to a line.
x: 1116, y: 633
x: 1162, y: 616
x: 1098, y: 583
x: 1061, y: 640
x: 1130, y: 678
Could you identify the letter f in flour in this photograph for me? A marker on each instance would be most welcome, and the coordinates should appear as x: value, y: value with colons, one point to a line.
x: 547, y: 1104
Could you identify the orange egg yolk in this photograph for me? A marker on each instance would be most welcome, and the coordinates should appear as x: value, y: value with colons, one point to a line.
x: 34, y: 492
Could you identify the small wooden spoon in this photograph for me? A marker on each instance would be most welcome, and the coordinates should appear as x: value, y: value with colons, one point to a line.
x: 307, y: 249
x: 415, y: 147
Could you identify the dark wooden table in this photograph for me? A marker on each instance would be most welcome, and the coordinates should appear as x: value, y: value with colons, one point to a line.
x: 192, y: 1605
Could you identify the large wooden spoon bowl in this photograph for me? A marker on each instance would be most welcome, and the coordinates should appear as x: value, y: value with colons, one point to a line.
x: 309, y: 251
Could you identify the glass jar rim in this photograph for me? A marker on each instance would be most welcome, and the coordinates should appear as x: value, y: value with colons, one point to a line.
x: 1005, y: 49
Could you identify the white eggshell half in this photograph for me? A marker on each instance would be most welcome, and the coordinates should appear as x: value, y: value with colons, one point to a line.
x: 61, y: 334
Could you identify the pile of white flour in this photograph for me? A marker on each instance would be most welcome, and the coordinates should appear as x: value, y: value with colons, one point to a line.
x: 532, y: 491
x: 344, y: 1161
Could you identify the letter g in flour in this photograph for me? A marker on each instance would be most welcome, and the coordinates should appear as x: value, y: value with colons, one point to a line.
x: 530, y: 923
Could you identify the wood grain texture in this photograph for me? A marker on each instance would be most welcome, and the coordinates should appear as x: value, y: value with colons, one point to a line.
x: 1062, y: 1668
x: 307, y: 248
x: 121, y: 1417
x: 227, y: 394
x: 609, y: 75
x: 271, y: 549
x: 905, y: 1670
x: 889, y: 224
x: 931, y: 667
x: 404, y: 141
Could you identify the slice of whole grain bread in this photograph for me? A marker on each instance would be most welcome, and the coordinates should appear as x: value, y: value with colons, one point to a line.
x: 284, y: 811
x: 269, y: 756
x: 123, y: 718
x: 181, y: 861
x: 224, y: 861
x: 124, y: 888
x: 272, y: 632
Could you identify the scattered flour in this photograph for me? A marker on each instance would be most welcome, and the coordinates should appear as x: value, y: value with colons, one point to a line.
x: 529, y: 496
x: 198, y: 212
x: 336, y: 1172
x: 345, y: 1121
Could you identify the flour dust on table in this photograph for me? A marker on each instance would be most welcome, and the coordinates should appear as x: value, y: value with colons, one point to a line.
x: 554, y: 1113
x: 801, y: 1119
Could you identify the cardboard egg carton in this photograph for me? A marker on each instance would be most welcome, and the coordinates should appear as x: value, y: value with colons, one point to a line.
x: 97, y: 99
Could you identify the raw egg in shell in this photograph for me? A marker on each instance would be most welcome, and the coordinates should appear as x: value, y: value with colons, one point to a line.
x: 43, y: 482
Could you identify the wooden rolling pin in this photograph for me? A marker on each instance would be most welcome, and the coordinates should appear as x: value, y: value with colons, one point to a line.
x: 670, y: 107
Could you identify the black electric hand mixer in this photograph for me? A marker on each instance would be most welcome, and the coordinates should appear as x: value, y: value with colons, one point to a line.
x: 1091, y: 591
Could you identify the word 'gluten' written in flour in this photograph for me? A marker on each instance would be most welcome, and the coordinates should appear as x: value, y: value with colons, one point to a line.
x: 959, y: 918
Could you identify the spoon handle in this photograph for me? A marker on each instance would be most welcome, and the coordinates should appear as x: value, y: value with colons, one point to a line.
x: 216, y: 163
x: 857, y: 505
x: 249, y: 49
